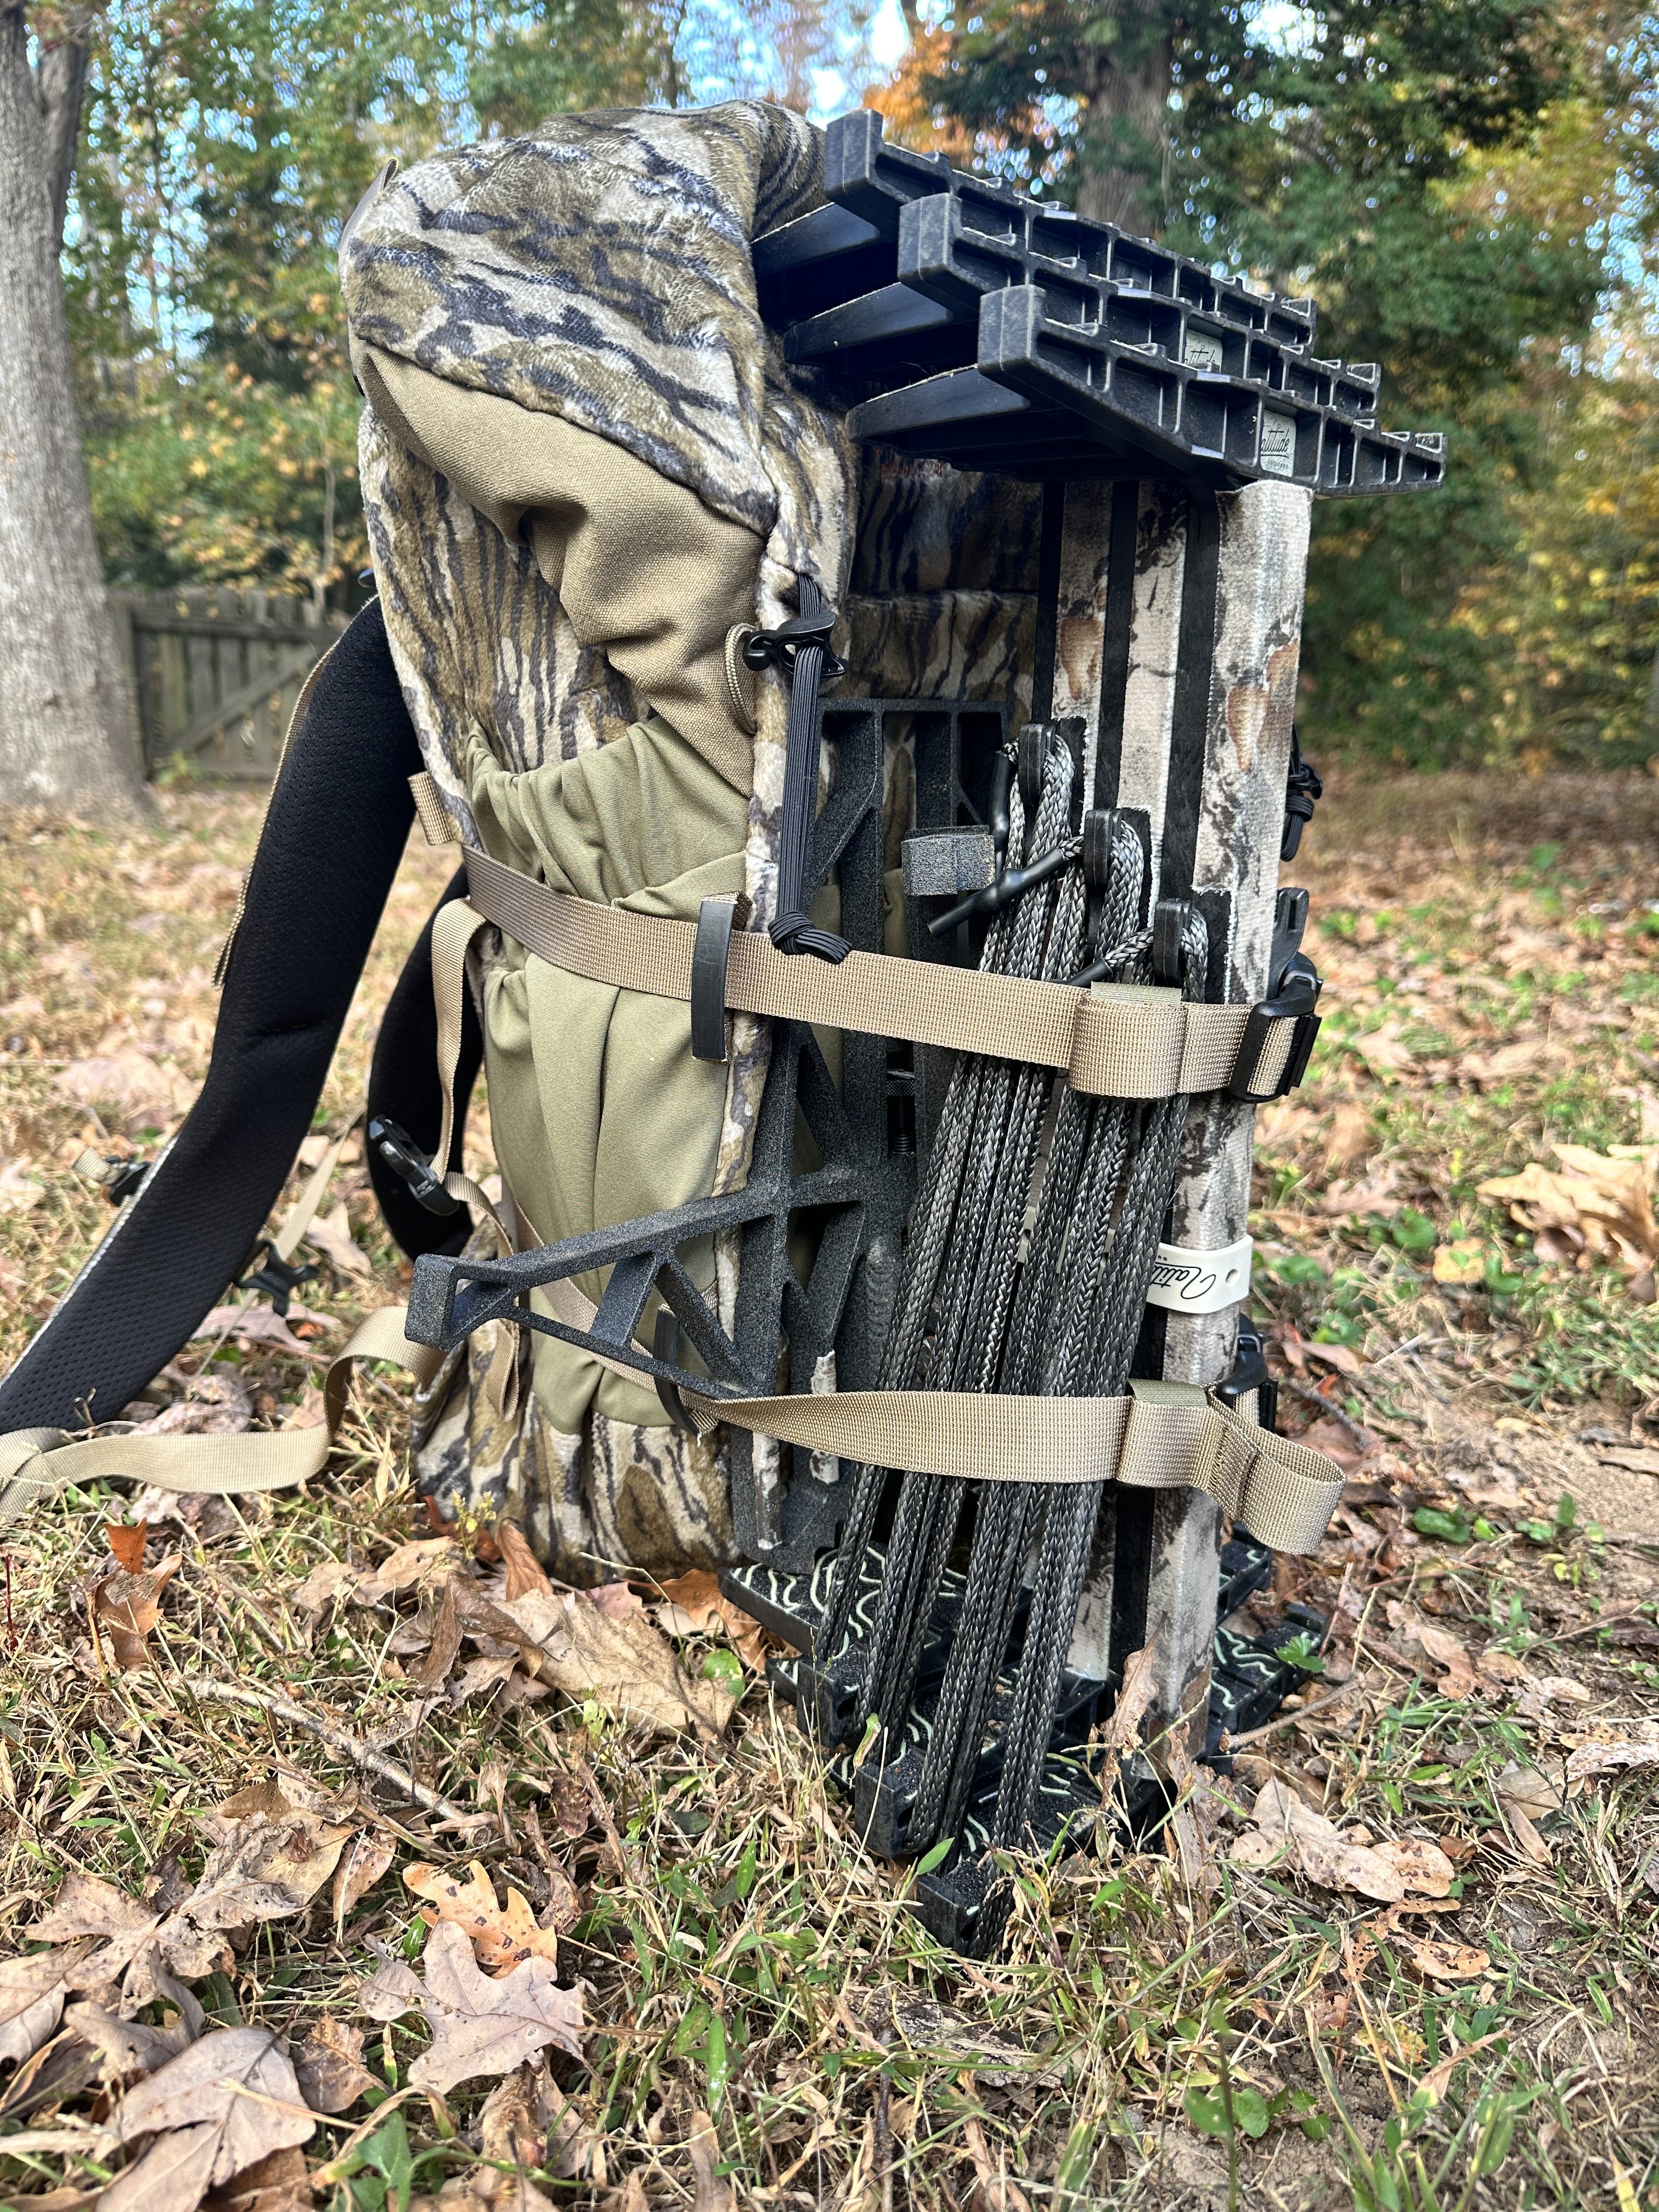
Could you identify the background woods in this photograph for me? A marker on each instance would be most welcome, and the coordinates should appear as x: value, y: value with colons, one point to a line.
x: 1465, y: 186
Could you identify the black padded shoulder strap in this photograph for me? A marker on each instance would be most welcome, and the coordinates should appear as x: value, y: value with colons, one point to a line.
x: 339, y: 817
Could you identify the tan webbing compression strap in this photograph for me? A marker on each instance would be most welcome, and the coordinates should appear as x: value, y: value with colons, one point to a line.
x: 1114, y: 1040
x: 35, y: 1462
x: 1166, y: 1437
x: 453, y: 930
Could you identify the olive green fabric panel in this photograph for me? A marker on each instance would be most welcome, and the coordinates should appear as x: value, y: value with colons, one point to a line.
x: 646, y: 572
x: 598, y: 1111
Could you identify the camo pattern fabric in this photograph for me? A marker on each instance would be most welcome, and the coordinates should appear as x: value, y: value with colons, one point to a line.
x: 598, y: 270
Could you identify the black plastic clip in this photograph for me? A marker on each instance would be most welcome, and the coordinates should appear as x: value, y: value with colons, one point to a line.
x: 1295, y: 1001
x: 277, y: 1278
x: 1302, y: 787
x: 666, y: 1346
x: 406, y: 1160
x: 779, y: 648
x: 1249, y: 1372
x: 716, y: 918
x: 1171, y: 919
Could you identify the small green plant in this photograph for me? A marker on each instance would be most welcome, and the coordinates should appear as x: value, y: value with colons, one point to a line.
x: 1300, y: 1650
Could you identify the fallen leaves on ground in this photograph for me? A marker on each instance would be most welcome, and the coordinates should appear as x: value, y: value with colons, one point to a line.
x: 1446, y: 1962
x: 575, y: 1644
x: 330, y: 2067
x: 502, y: 1936
x: 1612, y: 1746
x: 257, y: 1324
x: 269, y: 1859
x: 331, y: 1235
x: 124, y: 1607
x: 1596, y: 1206
x: 362, y: 1863
x: 1290, y: 1834
x: 227, y: 2101
x: 694, y: 1604
x: 479, y: 2026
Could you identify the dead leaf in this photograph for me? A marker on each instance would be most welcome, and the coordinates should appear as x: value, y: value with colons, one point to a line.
x: 1342, y: 1357
x: 329, y: 2068
x: 1535, y: 1695
x: 86, y: 1905
x: 1524, y: 1790
x: 1423, y: 1866
x: 626, y: 1664
x: 1458, y: 1680
x: 993, y: 2191
x: 1122, y: 1730
x: 1350, y: 1139
x: 129, y: 2050
x: 280, y: 2183
x: 501, y: 1935
x: 127, y: 1545
x: 1446, y: 1962
x: 32, y: 1992
x: 479, y: 2026
x: 1614, y: 1746
x: 126, y: 1607
x: 1290, y: 1834
x: 1485, y: 1069
x: 704, y: 2145
x: 18, y: 1189
x: 214, y: 1404
x: 433, y: 1670
x: 615, y: 1600
x: 694, y: 1604
x: 328, y: 1580
x: 1594, y: 1207
x: 227, y: 2101
x: 258, y: 1324
x: 331, y: 1235
x: 127, y: 1088
x: 523, y: 1570
x: 416, y: 1564
x: 1333, y: 1439
x: 362, y: 1862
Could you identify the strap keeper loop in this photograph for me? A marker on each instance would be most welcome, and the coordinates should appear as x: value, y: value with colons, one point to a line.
x: 716, y: 918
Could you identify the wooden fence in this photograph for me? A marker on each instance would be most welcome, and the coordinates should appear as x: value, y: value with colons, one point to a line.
x: 217, y: 672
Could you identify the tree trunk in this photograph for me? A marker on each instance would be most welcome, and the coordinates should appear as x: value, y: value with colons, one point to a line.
x: 69, y: 733
x: 1122, y: 143
x: 62, y: 82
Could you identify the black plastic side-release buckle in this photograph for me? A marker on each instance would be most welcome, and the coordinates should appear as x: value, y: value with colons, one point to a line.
x: 1249, y: 1373
x: 1294, y: 1001
x: 404, y: 1158
x: 779, y: 647
x: 277, y: 1278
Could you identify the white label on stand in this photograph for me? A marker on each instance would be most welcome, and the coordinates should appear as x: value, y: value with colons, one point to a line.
x: 1278, y: 445
x: 1186, y: 1281
x: 1203, y: 350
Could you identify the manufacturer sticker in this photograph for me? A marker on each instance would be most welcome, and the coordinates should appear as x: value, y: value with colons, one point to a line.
x: 1278, y: 445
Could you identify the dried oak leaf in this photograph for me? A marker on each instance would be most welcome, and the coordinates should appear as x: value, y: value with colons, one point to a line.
x: 219, y: 2107
x: 479, y: 2026
x: 1536, y: 1695
x: 330, y: 2067
x: 328, y: 1580
x: 446, y: 1644
x: 1289, y: 1833
x: 1122, y: 1729
x: 525, y: 1571
x: 694, y: 1604
x: 127, y: 2049
x: 86, y: 1905
x: 424, y: 1561
x: 1458, y: 1680
x: 268, y: 1865
x: 501, y: 1935
x: 126, y: 1607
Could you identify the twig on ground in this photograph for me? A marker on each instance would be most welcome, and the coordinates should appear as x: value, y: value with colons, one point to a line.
x: 1361, y: 1435
x: 1290, y: 1720
x: 340, y: 1741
